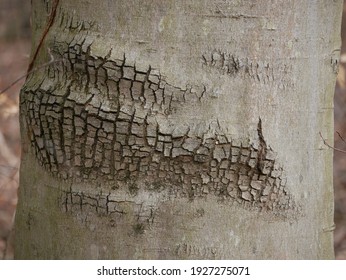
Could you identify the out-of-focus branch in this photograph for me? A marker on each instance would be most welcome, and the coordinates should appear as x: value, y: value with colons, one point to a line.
x: 28, y: 73
x: 31, y: 67
x: 328, y: 145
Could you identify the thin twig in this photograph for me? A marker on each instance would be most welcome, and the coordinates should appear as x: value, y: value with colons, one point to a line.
x: 31, y: 67
x: 326, y: 143
x: 343, y: 140
x: 28, y: 73
x: 9, y: 174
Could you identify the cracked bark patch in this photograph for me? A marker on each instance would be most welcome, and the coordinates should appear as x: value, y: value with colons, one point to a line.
x: 98, y: 119
x: 267, y: 73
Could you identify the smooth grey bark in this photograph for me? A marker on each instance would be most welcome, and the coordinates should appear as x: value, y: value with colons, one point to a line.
x: 179, y: 130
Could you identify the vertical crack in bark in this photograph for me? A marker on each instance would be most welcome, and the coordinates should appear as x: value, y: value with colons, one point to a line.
x: 44, y: 34
x: 262, y: 149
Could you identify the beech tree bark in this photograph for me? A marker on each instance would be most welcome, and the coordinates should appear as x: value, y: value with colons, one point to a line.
x: 179, y: 130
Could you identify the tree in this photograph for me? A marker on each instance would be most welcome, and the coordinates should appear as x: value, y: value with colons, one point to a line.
x: 179, y: 130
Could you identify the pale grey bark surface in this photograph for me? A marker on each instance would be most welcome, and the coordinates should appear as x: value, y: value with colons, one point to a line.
x: 179, y: 130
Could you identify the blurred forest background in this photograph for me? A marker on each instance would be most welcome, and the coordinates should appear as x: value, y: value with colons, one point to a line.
x: 14, y: 60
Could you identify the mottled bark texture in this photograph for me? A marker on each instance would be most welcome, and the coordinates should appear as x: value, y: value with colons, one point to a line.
x: 179, y: 130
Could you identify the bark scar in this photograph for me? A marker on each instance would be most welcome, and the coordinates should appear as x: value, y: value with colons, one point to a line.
x: 116, y: 130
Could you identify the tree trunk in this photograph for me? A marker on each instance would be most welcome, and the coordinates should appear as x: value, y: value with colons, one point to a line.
x: 179, y: 130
